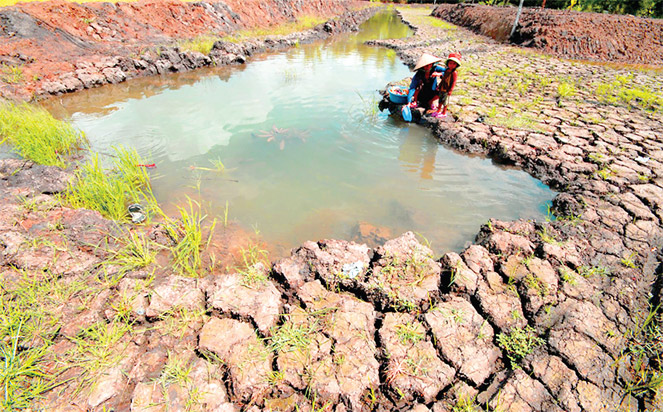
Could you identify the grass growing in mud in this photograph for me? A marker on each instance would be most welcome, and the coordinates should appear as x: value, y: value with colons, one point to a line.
x: 187, y: 232
x: 30, y: 313
x: 34, y: 134
x: 302, y: 23
x: 110, y: 191
x: 202, y: 44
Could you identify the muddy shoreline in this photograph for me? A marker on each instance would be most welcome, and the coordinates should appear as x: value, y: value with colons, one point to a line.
x: 59, y: 47
x: 349, y: 327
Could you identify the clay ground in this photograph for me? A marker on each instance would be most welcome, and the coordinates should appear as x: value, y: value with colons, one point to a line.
x: 58, y: 46
x: 541, y: 316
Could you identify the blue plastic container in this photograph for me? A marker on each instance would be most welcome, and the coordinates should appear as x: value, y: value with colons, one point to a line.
x: 398, y: 98
x: 406, y: 112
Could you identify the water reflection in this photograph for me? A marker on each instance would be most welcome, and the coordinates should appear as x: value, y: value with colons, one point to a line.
x: 306, y: 156
x: 418, y: 155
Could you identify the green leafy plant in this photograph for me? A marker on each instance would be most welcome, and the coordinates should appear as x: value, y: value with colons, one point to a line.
x: 519, y: 343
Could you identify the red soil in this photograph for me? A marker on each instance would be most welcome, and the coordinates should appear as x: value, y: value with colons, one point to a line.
x: 568, y: 34
x: 47, y: 39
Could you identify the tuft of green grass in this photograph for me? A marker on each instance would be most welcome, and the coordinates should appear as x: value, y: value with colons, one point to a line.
x: 304, y: 22
x: 409, y: 333
x: 251, y: 255
x: 34, y: 134
x: 290, y: 337
x: 202, y: 44
x: 589, y: 271
x: 642, y: 355
x: 628, y: 261
x: 111, y: 191
x: 97, y: 349
x: 519, y: 343
x: 11, y: 74
x: 176, y: 370
x: 548, y: 237
x: 187, y: 232
x: 21, y: 376
x: 564, y: 90
x: 136, y: 253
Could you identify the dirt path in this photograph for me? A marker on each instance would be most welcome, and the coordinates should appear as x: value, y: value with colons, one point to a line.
x: 541, y: 316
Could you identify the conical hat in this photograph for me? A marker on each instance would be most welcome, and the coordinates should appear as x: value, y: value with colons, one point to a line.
x: 425, y: 60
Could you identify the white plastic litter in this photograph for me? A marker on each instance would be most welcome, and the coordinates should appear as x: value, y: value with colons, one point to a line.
x: 352, y: 270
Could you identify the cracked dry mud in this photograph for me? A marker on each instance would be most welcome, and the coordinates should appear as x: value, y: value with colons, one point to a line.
x: 406, y: 331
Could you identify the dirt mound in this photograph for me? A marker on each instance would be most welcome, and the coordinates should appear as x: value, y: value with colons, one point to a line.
x: 42, y: 40
x: 564, y: 33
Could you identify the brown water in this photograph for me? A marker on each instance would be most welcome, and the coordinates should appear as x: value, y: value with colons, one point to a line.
x: 306, y: 156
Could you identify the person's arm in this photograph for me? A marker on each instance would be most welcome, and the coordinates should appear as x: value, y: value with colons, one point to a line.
x: 414, y: 84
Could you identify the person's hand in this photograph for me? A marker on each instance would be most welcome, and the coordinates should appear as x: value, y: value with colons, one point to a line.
x: 413, y: 104
x: 437, y: 74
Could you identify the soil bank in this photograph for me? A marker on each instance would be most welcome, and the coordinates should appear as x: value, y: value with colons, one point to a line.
x: 566, y: 33
x: 59, y: 46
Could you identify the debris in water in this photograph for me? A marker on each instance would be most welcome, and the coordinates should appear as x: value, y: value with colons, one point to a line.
x: 136, y: 213
x: 281, y: 135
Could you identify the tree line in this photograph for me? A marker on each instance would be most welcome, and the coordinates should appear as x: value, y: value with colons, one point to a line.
x: 641, y: 8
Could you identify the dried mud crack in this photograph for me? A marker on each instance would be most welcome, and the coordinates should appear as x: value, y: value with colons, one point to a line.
x: 535, y: 316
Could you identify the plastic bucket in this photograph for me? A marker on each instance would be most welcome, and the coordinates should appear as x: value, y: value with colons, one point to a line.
x: 398, y: 94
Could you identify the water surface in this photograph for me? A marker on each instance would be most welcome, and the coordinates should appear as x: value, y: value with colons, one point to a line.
x: 306, y: 156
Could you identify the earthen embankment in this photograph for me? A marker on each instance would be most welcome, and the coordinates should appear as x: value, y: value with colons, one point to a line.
x: 57, y: 46
x: 566, y: 33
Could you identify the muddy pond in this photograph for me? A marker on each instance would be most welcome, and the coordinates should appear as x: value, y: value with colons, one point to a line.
x: 304, y: 152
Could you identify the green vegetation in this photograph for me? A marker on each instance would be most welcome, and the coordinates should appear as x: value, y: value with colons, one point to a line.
x: 138, y: 252
x: 290, y: 337
x: 21, y: 375
x: 628, y: 261
x: 466, y: 404
x: 30, y: 315
x: 187, y: 234
x: 623, y: 90
x: 202, y: 44
x: 519, y: 343
x: 97, y: 349
x: 11, y: 74
x: 564, y: 90
x: 547, y: 237
x: 247, y: 266
x: 567, y: 275
x: 409, y: 333
x: 302, y: 23
x: 534, y: 283
x: 110, y: 191
x: 34, y: 134
x: 642, y: 355
x: 589, y: 271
